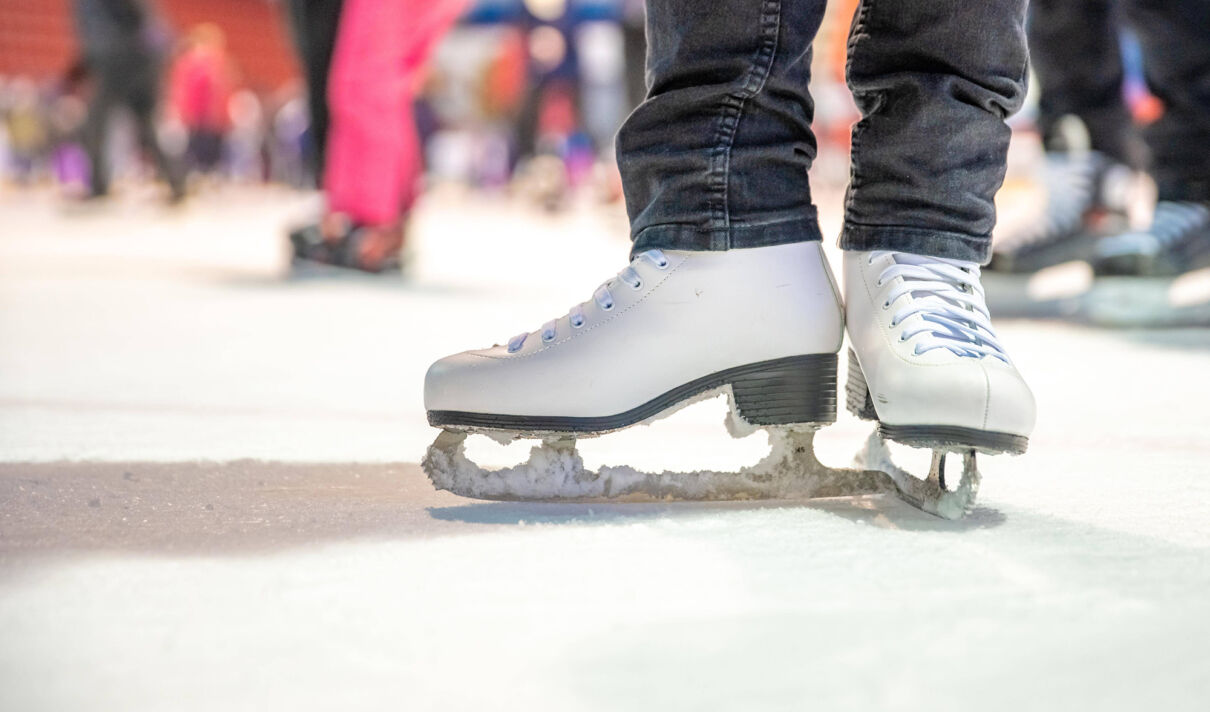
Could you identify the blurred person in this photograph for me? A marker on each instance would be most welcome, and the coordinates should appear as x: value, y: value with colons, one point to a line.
x: 1077, y: 54
x: 68, y: 115
x: 201, y: 85
x: 286, y: 139
x: 120, y: 50
x: 373, y: 166
x: 551, y: 103
x: 727, y: 284
x: 246, y: 141
x: 26, y: 129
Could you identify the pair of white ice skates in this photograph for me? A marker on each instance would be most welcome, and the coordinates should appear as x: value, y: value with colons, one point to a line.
x: 763, y: 326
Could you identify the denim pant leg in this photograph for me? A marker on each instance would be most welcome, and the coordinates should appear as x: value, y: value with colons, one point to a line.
x: 935, y: 82
x: 716, y: 156
x: 1076, y: 52
x: 1175, y: 36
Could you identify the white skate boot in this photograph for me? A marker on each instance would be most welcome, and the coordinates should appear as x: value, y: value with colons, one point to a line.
x: 762, y: 325
x: 927, y: 366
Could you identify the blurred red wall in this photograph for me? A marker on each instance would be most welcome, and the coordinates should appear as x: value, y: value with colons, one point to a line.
x: 37, y: 37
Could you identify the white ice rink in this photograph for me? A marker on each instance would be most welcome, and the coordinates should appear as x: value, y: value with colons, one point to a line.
x: 209, y: 501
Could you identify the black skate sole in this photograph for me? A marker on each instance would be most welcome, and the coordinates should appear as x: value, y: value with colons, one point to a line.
x: 784, y: 391
x: 860, y: 404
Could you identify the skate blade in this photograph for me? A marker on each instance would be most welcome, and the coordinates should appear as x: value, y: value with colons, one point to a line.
x: 555, y: 472
x: 930, y: 494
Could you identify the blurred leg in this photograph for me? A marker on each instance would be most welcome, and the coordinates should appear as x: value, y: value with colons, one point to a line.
x: 95, y: 137
x: 1077, y: 58
x: 935, y: 82
x: 1175, y: 35
x: 170, y: 170
x: 314, y: 24
x: 716, y: 157
x: 373, y: 152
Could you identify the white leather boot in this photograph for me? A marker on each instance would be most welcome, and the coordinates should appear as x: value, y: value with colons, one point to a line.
x: 760, y: 325
x: 926, y: 363
x: 765, y: 321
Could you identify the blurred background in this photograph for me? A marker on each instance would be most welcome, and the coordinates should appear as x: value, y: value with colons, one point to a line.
x: 511, y: 87
x: 211, y: 393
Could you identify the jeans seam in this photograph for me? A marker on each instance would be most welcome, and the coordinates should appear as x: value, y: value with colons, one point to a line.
x: 857, y: 33
x: 732, y: 111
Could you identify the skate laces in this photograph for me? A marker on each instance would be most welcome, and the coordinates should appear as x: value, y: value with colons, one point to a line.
x: 947, y: 296
x: 1172, y: 222
x: 603, y: 296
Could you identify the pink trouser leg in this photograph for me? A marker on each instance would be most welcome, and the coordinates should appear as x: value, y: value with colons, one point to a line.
x: 374, y: 161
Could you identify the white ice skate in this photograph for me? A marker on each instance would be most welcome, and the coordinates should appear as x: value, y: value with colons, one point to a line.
x: 927, y: 366
x: 761, y: 325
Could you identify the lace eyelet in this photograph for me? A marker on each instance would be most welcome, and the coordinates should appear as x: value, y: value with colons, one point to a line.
x: 878, y: 284
x: 636, y: 287
x: 662, y: 265
x: 902, y: 338
x: 607, y: 307
x: 577, y: 324
x: 546, y: 339
x: 886, y: 305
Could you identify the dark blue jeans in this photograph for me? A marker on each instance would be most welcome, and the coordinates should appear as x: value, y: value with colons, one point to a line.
x: 717, y: 155
x: 1078, y: 60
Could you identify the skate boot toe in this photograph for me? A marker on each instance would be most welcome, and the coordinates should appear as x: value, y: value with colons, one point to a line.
x: 1011, y: 407
x: 973, y: 401
x: 464, y: 382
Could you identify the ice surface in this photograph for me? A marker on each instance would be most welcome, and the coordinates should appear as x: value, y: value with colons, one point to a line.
x: 143, y: 363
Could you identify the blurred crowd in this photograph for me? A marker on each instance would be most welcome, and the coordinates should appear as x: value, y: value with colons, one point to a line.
x: 525, y: 90
x: 527, y: 95
x: 513, y: 81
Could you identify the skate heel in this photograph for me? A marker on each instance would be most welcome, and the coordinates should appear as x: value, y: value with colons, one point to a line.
x: 785, y: 391
x: 857, y: 393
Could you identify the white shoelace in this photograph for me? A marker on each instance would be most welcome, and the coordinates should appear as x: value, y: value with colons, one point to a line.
x: 602, y: 296
x: 949, y: 299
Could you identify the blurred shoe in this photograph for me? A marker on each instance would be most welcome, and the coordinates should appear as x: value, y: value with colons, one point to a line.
x: 1086, y: 199
x: 322, y: 242
x: 1177, y: 241
x: 374, y: 249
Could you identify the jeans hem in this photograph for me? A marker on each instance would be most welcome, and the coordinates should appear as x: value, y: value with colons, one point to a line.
x: 921, y: 241
x: 803, y: 228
